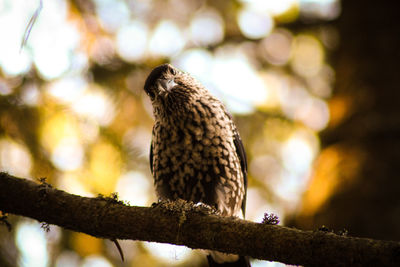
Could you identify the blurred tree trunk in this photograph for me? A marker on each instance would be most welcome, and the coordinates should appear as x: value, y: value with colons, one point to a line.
x: 356, y: 181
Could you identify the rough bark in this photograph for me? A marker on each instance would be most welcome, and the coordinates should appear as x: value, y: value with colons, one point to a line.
x: 194, y: 226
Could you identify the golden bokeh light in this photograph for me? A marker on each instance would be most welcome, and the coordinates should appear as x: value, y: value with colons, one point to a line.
x: 105, y: 166
x: 334, y: 169
x: 308, y: 55
x: 277, y: 47
x: 85, y: 244
x: 58, y: 126
x: 14, y: 158
x: 340, y: 108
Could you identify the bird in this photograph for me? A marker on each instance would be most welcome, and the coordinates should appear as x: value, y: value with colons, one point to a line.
x: 196, y: 153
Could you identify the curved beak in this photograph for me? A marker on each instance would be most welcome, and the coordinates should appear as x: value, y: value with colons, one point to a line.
x: 166, y: 84
x: 163, y: 85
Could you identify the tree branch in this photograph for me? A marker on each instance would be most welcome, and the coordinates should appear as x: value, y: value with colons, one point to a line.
x: 182, y: 223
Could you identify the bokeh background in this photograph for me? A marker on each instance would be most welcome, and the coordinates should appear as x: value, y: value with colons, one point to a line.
x: 311, y: 85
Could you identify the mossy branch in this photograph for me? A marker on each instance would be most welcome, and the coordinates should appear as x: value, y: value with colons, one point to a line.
x: 193, y: 226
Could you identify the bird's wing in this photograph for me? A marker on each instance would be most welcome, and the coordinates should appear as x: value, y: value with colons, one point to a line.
x: 151, y: 157
x: 243, y: 163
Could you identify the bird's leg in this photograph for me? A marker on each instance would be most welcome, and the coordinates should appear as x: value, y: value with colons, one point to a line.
x: 205, y: 209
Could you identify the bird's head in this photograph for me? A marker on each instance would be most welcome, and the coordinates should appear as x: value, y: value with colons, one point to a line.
x: 160, y: 81
x: 171, y: 91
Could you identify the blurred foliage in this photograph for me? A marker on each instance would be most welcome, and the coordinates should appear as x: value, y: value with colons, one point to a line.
x: 72, y: 108
x: 355, y: 183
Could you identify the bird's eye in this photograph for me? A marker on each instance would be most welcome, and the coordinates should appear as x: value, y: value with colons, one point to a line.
x: 151, y: 94
x: 173, y: 71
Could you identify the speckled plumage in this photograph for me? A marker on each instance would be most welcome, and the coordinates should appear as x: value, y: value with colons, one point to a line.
x: 196, y: 152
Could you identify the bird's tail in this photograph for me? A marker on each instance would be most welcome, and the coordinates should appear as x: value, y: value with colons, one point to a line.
x: 241, y: 262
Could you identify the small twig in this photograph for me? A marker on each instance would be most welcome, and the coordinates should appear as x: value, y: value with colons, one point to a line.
x: 121, y: 253
x: 30, y: 25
